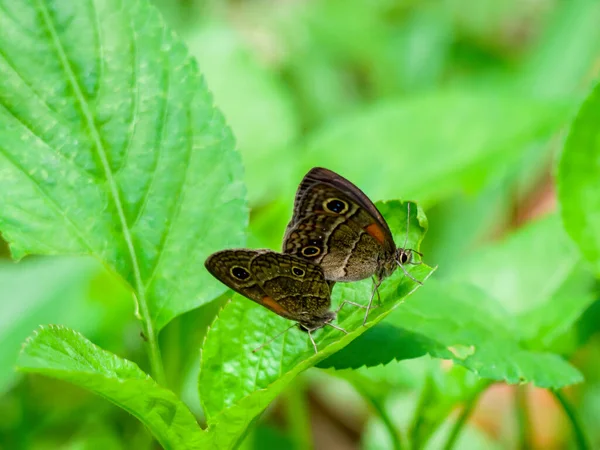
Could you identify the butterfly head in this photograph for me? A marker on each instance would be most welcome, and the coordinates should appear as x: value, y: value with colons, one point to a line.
x: 313, y: 321
x: 403, y: 256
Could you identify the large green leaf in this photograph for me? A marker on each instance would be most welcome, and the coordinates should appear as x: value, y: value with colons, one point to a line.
x: 578, y: 175
x: 480, y: 334
x: 236, y: 384
x: 536, y: 274
x: 433, y: 144
x: 66, y: 355
x: 110, y: 145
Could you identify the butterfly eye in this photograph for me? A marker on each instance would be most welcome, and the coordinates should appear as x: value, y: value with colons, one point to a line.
x: 335, y: 205
x: 405, y: 257
x: 298, y: 271
x: 239, y: 272
x: 311, y: 251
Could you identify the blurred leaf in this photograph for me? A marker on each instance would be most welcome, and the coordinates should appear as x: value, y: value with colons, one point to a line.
x: 255, y: 103
x: 536, y: 275
x: 480, y: 335
x: 431, y: 145
x: 36, y: 292
x: 111, y: 146
x: 578, y: 175
x: 236, y: 384
x: 61, y: 353
x: 561, y: 61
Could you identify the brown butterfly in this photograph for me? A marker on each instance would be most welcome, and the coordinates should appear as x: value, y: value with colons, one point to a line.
x: 287, y: 285
x: 335, y: 225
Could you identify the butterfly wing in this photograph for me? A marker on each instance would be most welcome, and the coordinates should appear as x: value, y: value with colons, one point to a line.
x: 289, y: 286
x: 233, y: 269
x: 294, y: 284
x: 336, y: 226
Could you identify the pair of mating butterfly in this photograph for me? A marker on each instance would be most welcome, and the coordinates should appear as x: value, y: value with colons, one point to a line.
x: 336, y: 234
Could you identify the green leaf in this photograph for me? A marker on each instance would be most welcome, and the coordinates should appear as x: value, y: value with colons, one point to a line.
x: 480, y: 335
x: 431, y: 145
x: 567, y: 52
x: 110, y: 145
x: 66, y: 355
x: 236, y: 384
x: 382, y: 344
x: 543, y: 286
x: 578, y: 175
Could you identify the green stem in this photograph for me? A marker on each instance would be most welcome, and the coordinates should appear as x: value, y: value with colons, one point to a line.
x: 424, y: 399
x: 576, y: 424
x: 522, y: 413
x: 464, y: 415
x: 298, y: 417
x: 379, y: 409
x: 143, y: 310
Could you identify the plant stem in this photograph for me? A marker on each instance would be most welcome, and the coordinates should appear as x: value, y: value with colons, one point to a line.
x: 464, y: 415
x: 424, y: 399
x: 379, y: 409
x: 576, y: 425
x: 522, y: 413
x: 298, y: 417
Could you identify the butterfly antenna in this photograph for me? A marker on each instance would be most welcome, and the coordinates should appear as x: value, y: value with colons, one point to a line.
x: 407, y: 225
x: 272, y: 339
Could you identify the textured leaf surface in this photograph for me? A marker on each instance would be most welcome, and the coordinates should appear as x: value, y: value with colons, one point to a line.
x: 236, y: 384
x: 431, y: 145
x: 66, y: 355
x: 480, y: 335
x: 110, y: 145
x: 578, y: 175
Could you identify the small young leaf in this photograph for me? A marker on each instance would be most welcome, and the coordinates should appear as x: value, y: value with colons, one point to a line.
x: 110, y: 146
x: 66, y: 355
x: 236, y: 383
x: 578, y: 175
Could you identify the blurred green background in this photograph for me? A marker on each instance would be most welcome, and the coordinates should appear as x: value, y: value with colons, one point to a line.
x: 459, y: 105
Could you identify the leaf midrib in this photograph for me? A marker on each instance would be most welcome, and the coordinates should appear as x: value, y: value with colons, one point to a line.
x: 102, y: 154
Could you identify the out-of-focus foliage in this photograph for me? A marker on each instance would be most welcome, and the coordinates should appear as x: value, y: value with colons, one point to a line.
x: 461, y: 106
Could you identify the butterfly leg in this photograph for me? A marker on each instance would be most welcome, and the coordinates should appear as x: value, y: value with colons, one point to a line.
x: 376, y: 284
x: 272, y: 339
x: 408, y: 274
x: 312, y: 340
x: 375, y: 289
x: 337, y: 328
x: 358, y: 305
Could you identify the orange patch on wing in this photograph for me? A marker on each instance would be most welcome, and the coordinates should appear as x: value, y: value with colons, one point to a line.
x: 376, y: 231
x: 273, y: 305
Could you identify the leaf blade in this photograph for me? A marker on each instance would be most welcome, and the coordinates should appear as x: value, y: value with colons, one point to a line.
x: 66, y: 355
x: 126, y: 157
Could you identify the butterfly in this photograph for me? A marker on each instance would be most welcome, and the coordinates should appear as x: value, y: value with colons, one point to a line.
x: 289, y: 286
x: 336, y: 226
